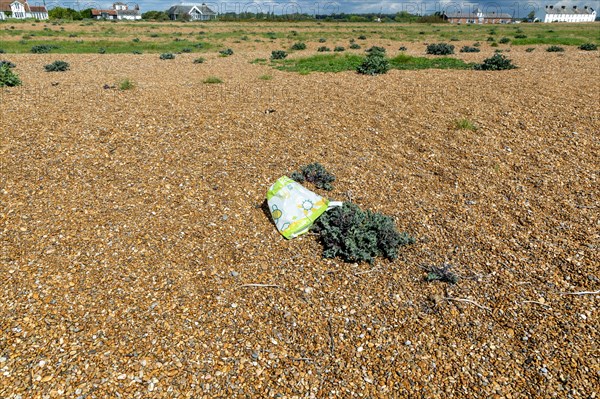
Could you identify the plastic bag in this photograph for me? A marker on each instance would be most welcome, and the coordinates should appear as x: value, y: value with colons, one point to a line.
x: 293, y: 207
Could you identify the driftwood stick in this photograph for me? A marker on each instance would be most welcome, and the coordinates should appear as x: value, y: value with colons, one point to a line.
x: 467, y: 301
x: 580, y: 293
x: 259, y: 285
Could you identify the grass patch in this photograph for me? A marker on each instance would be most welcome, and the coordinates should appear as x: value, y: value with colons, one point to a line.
x: 126, y: 84
x: 407, y: 62
x: 212, y: 80
x: 465, y: 124
x: 265, y: 77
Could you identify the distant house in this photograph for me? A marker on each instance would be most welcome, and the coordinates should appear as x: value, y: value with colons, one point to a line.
x: 20, y: 9
x: 564, y: 14
x: 191, y: 12
x: 118, y: 11
x: 478, y: 17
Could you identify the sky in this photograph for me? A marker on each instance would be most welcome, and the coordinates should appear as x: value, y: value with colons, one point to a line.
x: 517, y: 8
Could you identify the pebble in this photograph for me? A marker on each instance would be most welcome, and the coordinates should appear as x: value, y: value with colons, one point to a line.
x: 407, y: 343
x: 234, y: 273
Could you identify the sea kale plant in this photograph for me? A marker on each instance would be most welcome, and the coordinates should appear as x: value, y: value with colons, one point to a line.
x: 440, y: 49
x: 57, y: 66
x: 7, y: 77
x: 374, y: 64
x: 316, y: 174
x: 358, y: 236
x: 497, y: 62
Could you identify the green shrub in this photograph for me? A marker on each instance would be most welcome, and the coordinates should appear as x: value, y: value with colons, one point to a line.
x: 299, y: 46
x: 375, y: 50
x: 355, y: 46
x: 443, y: 274
x: 497, y: 62
x: 465, y: 124
x: 588, y: 47
x: 226, y: 53
x: 265, y: 77
x: 530, y: 49
x: 199, y: 60
x: 7, y: 64
x: 402, y: 48
x: 504, y: 40
x: 278, y: 54
x: 57, y: 66
x: 101, y: 50
x: 490, y: 39
x: 555, y: 49
x: 322, y: 40
x: 136, y: 40
x: 494, y: 44
x: 186, y: 50
x: 468, y: 49
x: 2, y: 51
x: 454, y: 39
x: 358, y: 236
x: 362, y: 37
x: 323, y: 49
x: 7, y: 77
x: 42, y: 48
x: 316, y: 174
x: 137, y: 52
x: 126, y: 84
x: 520, y: 36
x: 374, y: 64
x: 167, y: 56
x: 440, y: 49
x: 339, y: 48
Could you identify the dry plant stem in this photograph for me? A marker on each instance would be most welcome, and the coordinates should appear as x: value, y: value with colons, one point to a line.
x: 581, y: 293
x: 366, y: 271
x: 467, y: 301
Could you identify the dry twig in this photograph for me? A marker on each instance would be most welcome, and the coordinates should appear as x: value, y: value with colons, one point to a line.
x: 259, y: 285
x: 467, y: 301
x: 580, y: 293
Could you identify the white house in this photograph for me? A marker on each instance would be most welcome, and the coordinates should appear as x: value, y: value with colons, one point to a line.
x: 191, y: 12
x: 478, y: 17
x: 118, y: 11
x: 20, y: 9
x: 564, y: 14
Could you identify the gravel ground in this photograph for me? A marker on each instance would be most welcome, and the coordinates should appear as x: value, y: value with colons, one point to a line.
x: 131, y: 224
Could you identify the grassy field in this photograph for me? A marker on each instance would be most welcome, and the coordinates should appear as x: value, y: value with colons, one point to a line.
x: 127, y: 37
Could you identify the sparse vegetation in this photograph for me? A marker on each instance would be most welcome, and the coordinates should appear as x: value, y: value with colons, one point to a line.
x: 278, y: 54
x: 323, y: 49
x: 8, y: 77
x: 316, y: 174
x: 339, y: 49
x: 126, y: 84
x: 375, y: 50
x: 402, y: 48
x: 199, y: 60
x: 298, y: 46
x: 465, y: 124
x: 7, y: 63
x: 440, y: 49
x: 497, y: 62
x: 322, y: 40
x: 504, y: 40
x: 359, y: 236
x: 440, y: 273
x: 362, y: 37
x: 588, y: 47
x: 212, y: 80
x: 530, y: 49
x: 355, y: 46
x: 167, y: 56
x: 468, y: 49
x: 42, y: 48
x: 265, y: 77
x: 57, y: 66
x: 555, y: 49
x: 226, y: 52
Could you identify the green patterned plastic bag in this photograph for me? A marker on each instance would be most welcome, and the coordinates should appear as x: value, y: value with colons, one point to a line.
x: 293, y: 207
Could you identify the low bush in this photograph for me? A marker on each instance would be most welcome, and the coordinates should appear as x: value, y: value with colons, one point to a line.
x: 7, y: 64
x: 362, y: 37
x: 316, y: 174
x: 299, y: 46
x: 588, y: 47
x: 374, y: 64
x: 497, y: 62
x: 441, y: 273
x: 440, y: 49
x: 339, y: 48
x: 555, y: 49
x: 199, y: 60
x: 126, y: 84
x: 101, y: 50
x: 136, y: 40
x: 186, y: 50
x: 136, y: 52
x: 42, y: 49
x: 490, y: 39
x: 520, y: 36
x: 468, y: 49
x: 323, y: 49
x: 322, y: 40
x: 7, y: 77
x: 504, y: 40
x: 355, y: 46
x: 57, y: 66
x: 402, y: 48
x: 2, y: 51
x: 278, y: 54
x: 358, y: 236
x: 375, y: 50
x: 530, y: 49
x: 226, y: 53
x: 167, y: 56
